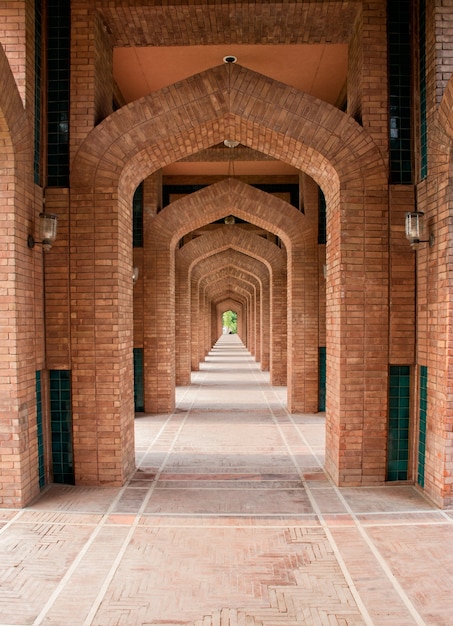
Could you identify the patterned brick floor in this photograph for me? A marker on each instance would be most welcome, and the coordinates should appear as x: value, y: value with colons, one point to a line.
x: 229, y: 520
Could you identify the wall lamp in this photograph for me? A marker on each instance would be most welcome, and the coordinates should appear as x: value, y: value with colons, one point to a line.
x: 134, y: 274
x: 415, y: 224
x: 47, y: 232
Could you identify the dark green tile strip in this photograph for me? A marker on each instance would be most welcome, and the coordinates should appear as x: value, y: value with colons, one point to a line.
x: 422, y: 425
x: 137, y: 217
x: 61, y: 426
x: 399, y: 66
x: 138, y: 380
x: 322, y: 218
x: 38, y: 78
x: 40, y: 432
x: 398, y: 427
x: 322, y: 379
x: 58, y: 91
x: 422, y: 88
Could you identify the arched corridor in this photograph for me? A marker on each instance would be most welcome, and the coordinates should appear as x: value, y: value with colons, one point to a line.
x: 228, y: 520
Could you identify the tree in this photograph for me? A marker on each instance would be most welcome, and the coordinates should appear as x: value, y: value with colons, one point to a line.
x: 230, y: 322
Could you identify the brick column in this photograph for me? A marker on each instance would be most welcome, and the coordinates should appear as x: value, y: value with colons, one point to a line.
x: 303, y: 329
x: 101, y: 339
x: 195, y: 335
x: 159, y: 327
x: 278, y: 332
x: 357, y: 338
x: 264, y: 323
x: 183, y: 327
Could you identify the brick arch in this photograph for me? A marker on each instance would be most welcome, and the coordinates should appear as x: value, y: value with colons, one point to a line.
x: 215, y: 290
x: 230, y: 236
x: 256, y: 271
x: 15, y: 142
x: 232, y: 239
x: 446, y: 110
x: 218, y: 280
x: 232, y: 101
x: 223, y: 303
x: 19, y: 451
x: 14, y: 119
x: 325, y: 143
x: 229, y: 196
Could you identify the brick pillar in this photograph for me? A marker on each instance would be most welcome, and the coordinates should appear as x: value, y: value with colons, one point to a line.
x: 159, y: 328
x: 278, y: 374
x: 101, y: 339
x: 201, y: 324
x: 252, y: 326
x: 357, y: 339
x: 303, y: 328
x: 183, y: 327
x: 264, y: 324
x: 195, y: 326
x: 257, y: 331
x: 206, y: 324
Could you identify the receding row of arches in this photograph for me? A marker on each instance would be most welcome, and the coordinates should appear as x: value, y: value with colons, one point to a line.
x: 319, y: 140
x: 274, y: 289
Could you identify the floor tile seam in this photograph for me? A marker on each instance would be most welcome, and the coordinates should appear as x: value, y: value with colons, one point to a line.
x: 114, y: 567
x: 337, y: 552
x: 345, y: 571
x: 236, y: 525
x: 402, y: 511
x: 48, y: 523
x: 224, y: 515
x: 405, y: 524
x: 76, y: 562
x: 81, y: 554
x: 121, y: 552
x: 227, y: 486
x: 12, y: 521
x: 156, y: 438
x: 370, y: 543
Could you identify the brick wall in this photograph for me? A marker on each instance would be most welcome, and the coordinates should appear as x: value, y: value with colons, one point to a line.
x: 22, y: 339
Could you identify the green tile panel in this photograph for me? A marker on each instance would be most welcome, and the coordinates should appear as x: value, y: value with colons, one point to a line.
x: 61, y: 426
x: 423, y: 405
x: 398, y: 423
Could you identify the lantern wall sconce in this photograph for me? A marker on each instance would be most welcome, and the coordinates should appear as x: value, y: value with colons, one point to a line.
x: 414, y: 227
x: 47, y: 232
x: 134, y: 274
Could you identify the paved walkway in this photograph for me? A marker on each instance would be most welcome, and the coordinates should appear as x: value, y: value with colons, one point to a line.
x: 228, y: 521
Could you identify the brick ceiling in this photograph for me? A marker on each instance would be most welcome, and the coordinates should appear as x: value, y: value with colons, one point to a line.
x: 303, y: 44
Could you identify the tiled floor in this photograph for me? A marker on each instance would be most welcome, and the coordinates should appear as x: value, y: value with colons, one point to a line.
x: 229, y: 520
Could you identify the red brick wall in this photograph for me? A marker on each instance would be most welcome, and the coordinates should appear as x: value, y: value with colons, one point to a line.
x: 22, y: 337
x: 15, y: 19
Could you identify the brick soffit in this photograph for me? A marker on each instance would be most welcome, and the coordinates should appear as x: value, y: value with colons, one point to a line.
x: 209, y: 22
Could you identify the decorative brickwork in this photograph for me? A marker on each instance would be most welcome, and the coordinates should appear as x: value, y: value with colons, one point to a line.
x: 364, y: 295
x: 21, y: 345
x: 229, y: 263
x: 268, y: 262
x: 336, y: 150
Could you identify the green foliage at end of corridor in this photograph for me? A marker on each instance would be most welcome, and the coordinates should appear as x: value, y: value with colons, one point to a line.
x: 230, y: 322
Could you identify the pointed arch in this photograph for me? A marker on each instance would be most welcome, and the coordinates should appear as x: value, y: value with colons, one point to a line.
x: 228, y: 101
x: 297, y: 129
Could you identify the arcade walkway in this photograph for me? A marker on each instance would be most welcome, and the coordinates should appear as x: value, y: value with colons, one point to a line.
x: 229, y: 520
